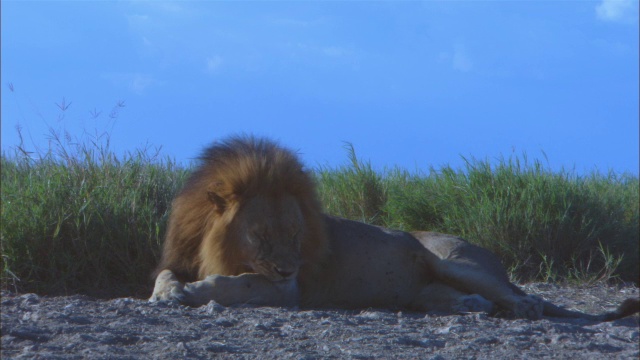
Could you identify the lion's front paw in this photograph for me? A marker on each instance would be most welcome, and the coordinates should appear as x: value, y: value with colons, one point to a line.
x: 471, y: 303
x: 168, y: 288
x: 173, y: 294
x: 529, y: 307
x: 199, y: 293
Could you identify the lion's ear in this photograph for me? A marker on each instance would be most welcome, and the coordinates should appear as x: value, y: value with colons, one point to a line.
x: 218, y: 201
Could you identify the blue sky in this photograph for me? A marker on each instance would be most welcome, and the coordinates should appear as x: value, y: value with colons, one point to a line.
x: 409, y: 84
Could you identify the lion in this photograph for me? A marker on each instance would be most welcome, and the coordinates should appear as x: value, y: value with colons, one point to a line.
x: 248, y: 228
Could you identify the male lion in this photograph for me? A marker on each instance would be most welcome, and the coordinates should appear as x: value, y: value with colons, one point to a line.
x: 248, y: 229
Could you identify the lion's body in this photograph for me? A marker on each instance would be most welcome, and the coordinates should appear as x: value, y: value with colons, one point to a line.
x: 248, y: 228
x: 367, y: 267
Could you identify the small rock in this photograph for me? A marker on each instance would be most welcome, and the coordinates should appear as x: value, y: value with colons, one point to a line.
x: 491, y: 340
x: 79, y: 320
x: 370, y: 315
x: 260, y: 326
x: 7, y: 301
x: 217, y: 347
x: 213, y: 307
x: 407, y: 341
x: 126, y: 302
x: 8, y: 339
x: 286, y: 330
x: 30, y: 316
x: 181, y: 346
x: 29, y: 349
x: 30, y: 333
x: 224, y: 322
x: 29, y: 299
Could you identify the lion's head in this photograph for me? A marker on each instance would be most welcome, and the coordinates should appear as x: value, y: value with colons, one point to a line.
x: 249, y: 207
x: 270, y: 230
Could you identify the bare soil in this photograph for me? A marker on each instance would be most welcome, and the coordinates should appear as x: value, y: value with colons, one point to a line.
x: 78, y: 327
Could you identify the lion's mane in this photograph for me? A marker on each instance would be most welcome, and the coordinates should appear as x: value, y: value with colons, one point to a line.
x: 201, y: 239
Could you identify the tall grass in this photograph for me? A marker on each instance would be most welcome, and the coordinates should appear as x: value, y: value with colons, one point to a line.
x: 354, y: 191
x: 543, y: 224
x: 78, y: 218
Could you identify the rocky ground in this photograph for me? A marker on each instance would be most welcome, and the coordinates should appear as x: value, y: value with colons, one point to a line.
x: 83, y: 327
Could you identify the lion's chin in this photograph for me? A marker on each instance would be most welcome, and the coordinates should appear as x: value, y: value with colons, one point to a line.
x: 280, y: 278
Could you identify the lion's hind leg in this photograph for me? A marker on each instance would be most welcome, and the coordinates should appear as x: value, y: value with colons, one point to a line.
x: 471, y: 269
x: 476, y: 277
x: 445, y: 299
x: 472, y: 304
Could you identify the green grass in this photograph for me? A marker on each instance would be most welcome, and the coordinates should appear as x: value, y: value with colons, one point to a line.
x: 545, y: 225
x: 80, y: 219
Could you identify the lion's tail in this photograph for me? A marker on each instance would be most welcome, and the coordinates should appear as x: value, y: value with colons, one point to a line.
x: 628, y: 307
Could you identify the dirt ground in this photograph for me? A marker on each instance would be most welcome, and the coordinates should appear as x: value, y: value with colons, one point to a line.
x: 78, y: 327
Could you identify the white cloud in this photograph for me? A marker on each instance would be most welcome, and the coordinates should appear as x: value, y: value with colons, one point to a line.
x: 135, y: 82
x: 161, y: 7
x: 168, y: 6
x: 140, y: 82
x: 146, y: 42
x: 329, y: 51
x: 138, y: 21
x: 461, y: 60
x: 297, y: 22
x: 617, y: 10
x: 334, y: 51
x: 214, y: 63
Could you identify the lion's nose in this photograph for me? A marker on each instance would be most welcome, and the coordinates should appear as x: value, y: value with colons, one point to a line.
x: 285, y: 273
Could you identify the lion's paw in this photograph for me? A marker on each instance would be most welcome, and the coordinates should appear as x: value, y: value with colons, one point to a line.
x: 472, y: 303
x: 168, y: 288
x: 529, y: 307
x: 172, y: 294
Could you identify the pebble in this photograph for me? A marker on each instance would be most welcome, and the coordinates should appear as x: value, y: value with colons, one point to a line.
x: 29, y: 299
x: 213, y: 308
